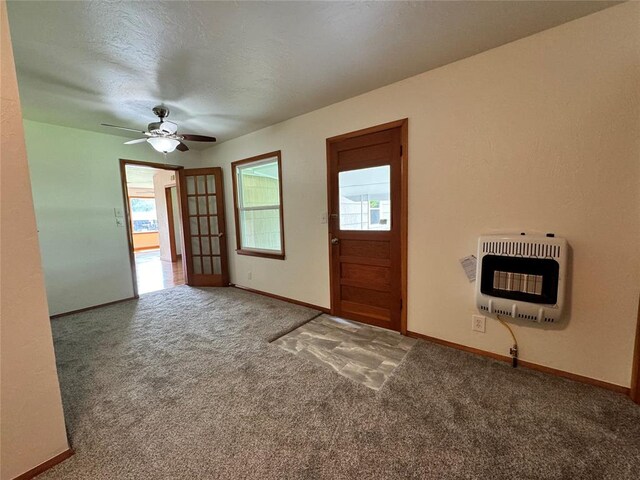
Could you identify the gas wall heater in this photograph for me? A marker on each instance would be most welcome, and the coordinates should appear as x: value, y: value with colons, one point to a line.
x: 522, y: 276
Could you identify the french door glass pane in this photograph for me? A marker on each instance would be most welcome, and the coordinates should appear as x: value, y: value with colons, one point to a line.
x: 211, y: 184
x: 205, y: 245
x: 215, y: 245
x: 217, y: 266
x: 200, y: 185
x: 197, y: 265
x: 204, y: 227
x: 213, y: 222
x: 195, y: 245
x: 206, y: 265
x: 213, y: 206
x: 192, y: 206
x: 202, y: 205
x: 191, y: 185
x: 193, y: 225
x: 365, y: 198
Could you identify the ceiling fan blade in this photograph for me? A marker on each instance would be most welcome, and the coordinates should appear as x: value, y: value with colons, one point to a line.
x: 182, y: 147
x: 197, y: 138
x: 139, y: 140
x: 123, y: 128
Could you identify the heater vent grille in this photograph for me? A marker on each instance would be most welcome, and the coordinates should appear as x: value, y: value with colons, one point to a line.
x: 519, y: 315
x: 522, y: 276
x: 522, y: 249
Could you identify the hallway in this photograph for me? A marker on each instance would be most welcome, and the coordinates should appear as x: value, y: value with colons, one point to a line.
x: 154, y: 274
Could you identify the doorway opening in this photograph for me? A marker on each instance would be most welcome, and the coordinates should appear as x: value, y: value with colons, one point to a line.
x: 153, y: 222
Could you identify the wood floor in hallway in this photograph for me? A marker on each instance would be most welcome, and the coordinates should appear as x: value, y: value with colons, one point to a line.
x: 155, y: 274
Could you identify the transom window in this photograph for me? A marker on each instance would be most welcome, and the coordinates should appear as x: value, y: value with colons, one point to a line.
x: 258, y: 206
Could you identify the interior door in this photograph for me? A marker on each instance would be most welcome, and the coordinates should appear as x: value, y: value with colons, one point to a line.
x: 203, y: 225
x: 364, y: 175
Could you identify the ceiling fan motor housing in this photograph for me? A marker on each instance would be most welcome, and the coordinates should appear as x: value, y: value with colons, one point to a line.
x: 162, y: 128
x: 161, y: 111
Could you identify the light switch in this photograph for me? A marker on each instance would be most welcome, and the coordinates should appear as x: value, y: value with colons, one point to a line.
x: 118, y: 212
x: 119, y: 222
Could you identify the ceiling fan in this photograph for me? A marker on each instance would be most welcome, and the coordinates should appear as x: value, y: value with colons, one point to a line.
x: 163, y: 135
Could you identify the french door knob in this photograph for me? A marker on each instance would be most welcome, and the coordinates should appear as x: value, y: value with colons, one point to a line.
x: 335, y: 241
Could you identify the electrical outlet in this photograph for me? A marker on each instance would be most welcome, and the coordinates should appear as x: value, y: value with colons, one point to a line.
x: 249, y: 275
x: 478, y: 323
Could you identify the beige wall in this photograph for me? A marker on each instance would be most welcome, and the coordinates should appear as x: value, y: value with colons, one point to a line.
x: 76, y: 183
x: 33, y: 429
x: 161, y: 180
x: 542, y: 134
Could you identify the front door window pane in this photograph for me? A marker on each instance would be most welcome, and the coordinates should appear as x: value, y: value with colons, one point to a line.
x: 365, y: 198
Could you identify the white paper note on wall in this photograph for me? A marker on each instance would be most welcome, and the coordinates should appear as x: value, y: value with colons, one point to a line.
x: 469, y: 264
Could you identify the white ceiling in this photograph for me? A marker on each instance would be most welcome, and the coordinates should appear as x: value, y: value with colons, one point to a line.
x: 229, y: 68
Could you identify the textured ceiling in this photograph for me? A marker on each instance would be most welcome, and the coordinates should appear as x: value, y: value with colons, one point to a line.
x: 229, y: 68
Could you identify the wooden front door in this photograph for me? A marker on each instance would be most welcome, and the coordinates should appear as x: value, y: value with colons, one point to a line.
x: 203, y: 225
x: 366, y: 222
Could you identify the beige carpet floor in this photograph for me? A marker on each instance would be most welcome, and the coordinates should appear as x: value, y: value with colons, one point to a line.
x: 184, y: 383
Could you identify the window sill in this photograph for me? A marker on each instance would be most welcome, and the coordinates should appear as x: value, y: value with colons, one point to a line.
x: 258, y: 253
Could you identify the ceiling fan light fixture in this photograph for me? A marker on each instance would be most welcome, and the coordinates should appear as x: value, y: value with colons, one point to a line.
x: 162, y: 135
x: 163, y: 144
